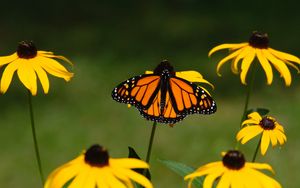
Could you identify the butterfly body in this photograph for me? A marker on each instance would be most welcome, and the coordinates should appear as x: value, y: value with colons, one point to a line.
x: 165, y: 71
x: 163, y: 97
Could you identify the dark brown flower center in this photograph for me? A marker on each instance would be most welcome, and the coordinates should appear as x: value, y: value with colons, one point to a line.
x: 259, y: 40
x: 26, y: 50
x: 96, y: 155
x: 267, y: 123
x: 234, y: 160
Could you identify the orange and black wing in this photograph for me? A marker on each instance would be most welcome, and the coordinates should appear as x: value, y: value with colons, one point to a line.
x: 167, y: 115
x: 139, y: 91
x: 189, y: 98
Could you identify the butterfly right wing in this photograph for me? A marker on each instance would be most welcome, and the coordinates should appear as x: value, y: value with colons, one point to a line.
x: 139, y: 91
x: 189, y: 98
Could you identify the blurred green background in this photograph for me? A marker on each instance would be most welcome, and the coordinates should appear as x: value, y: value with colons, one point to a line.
x: 110, y: 41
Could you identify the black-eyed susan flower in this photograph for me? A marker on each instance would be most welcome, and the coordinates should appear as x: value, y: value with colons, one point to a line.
x: 257, y: 46
x: 30, y: 64
x: 94, y: 168
x: 234, y: 172
x: 270, y: 129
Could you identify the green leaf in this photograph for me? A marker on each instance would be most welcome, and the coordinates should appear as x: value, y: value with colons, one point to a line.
x: 132, y: 153
x: 262, y: 111
x: 182, y: 170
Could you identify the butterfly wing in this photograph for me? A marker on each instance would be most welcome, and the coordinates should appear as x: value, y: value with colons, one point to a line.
x: 189, y: 98
x: 138, y: 91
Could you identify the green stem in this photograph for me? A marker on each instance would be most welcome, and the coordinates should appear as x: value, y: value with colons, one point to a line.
x: 150, y: 146
x: 36, y: 148
x: 248, y: 94
x: 151, y: 142
x: 256, y: 150
x: 249, y: 90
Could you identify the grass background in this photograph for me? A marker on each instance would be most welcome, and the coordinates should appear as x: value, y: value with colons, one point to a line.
x: 110, y: 41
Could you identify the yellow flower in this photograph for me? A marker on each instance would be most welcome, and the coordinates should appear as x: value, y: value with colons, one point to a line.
x: 95, y: 168
x: 30, y: 63
x: 257, y: 46
x: 270, y: 129
x: 234, y: 172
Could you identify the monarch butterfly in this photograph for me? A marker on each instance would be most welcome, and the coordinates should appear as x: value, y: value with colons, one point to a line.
x: 163, y: 97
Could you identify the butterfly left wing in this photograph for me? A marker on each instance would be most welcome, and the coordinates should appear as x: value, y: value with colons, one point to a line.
x: 138, y: 91
x: 189, y: 98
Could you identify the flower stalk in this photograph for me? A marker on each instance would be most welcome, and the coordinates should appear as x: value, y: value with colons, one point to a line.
x: 256, y: 150
x: 151, y: 142
x: 36, y: 148
x: 249, y: 90
x: 148, y: 156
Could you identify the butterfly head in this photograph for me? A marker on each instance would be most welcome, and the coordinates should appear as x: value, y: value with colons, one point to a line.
x: 164, y: 68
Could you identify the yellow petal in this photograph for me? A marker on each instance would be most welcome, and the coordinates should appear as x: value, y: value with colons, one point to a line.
x: 284, y: 137
x: 54, y: 68
x: 149, y: 72
x: 279, y: 127
x: 217, y: 164
x: 265, y: 65
x: 260, y: 166
x: 101, y: 178
x: 114, y: 182
x: 224, y: 46
x: 190, y: 184
x: 8, y: 59
x: 265, y: 140
x: 90, y: 181
x: 250, y: 122
x: 62, y: 175
x: 248, y: 133
x: 225, y: 59
x: 292, y: 65
x: 234, y: 64
x: 128, y: 163
x: 193, y: 76
x: 244, y: 177
x: 206, y: 169
x: 123, y: 178
x: 250, y: 180
x: 27, y: 76
x: 264, y: 180
x: 51, y: 55
x: 280, y: 136
x: 255, y: 116
x: 210, y: 178
x: 284, y: 56
x: 236, y: 179
x: 8, y: 74
x: 225, y: 180
x: 81, y: 178
x: 280, y: 66
x: 41, y: 52
x: 61, y: 58
x: 42, y: 76
x: 273, y: 138
x: 142, y: 180
x: 246, y: 64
